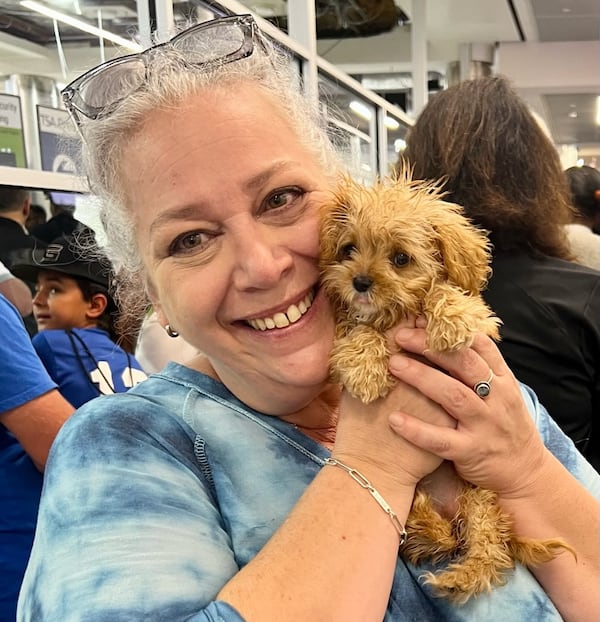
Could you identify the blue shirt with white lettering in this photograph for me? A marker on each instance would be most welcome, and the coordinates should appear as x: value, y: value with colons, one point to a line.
x: 85, y: 363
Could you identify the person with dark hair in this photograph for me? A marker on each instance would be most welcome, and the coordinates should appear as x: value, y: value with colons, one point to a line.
x: 75, y: 315
x: 15, y: 204
x: 62, y: 221
x: 244, y: 484
x: 37, y: 216
x: 490, y: 155
x: 584, y: 182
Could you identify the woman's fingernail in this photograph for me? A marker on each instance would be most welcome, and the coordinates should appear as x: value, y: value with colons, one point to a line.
x: 398, y: 362
x: 396, y: 420
x: 402, y: 334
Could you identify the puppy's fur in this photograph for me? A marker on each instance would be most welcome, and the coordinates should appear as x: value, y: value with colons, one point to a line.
x: 397, y: 250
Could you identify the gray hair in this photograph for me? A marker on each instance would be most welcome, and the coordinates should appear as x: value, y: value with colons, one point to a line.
x: 169, y: 82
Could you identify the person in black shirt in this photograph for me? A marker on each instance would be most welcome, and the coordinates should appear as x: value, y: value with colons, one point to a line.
x: 14, y: 208
x: 15, y: 204
x: 493, y: 158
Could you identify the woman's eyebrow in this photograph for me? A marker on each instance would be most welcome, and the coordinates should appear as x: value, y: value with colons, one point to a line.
x: 180, y: 212
x: 261, y: 178
x: 191, y: 211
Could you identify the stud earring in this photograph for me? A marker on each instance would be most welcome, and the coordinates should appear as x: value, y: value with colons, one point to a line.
x: 170, y: 331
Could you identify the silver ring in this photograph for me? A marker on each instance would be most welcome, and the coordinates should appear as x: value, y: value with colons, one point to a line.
x: 483, y: 388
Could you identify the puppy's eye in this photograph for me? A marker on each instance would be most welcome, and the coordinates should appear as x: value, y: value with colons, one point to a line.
x: 346, y: 251
x: 400, y: 259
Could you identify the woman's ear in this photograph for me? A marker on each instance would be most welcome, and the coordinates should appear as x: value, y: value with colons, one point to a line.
x: 97, y: 306
x: 156, y: 306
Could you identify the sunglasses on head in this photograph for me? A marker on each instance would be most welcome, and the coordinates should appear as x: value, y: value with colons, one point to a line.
x: 99, y: 91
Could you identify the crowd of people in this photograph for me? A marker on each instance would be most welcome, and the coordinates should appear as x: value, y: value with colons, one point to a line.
x: 72, y: 358
x: 236, y: 482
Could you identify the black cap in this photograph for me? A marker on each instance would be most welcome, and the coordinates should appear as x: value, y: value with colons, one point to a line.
x: 66, y: 255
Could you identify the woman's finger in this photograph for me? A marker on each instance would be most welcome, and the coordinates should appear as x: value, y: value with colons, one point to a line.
x: 458, y: 399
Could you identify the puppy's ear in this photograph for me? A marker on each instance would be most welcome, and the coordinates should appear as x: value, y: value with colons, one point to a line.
x: 333, y: 220
x: 465, y: 249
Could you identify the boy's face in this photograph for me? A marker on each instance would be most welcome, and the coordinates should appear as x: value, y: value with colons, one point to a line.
x: 59, y: 303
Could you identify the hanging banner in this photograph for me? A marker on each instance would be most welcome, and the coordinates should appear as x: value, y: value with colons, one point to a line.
x: 12, y: 143
x: 58, y: 144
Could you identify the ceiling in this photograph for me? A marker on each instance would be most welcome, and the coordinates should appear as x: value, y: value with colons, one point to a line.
x: 533, y: 35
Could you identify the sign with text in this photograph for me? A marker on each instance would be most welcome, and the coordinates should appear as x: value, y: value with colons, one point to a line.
x: 58, y: 143
x: 12, y: 142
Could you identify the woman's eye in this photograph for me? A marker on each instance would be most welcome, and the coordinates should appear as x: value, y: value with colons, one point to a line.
x: 400, y: 259
x: 284, y: 197
x: 187, y: 242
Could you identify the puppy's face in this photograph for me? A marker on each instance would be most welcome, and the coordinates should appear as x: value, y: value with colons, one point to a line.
x: 383, y: 247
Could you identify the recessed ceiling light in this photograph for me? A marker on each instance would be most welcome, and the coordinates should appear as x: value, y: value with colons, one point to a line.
x: 77, y: 23
x: 573, y: 114
x: 566, y: 9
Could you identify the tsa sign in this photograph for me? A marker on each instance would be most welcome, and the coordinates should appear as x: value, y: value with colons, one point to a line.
x: 12, y: 142
x: 57, y: 141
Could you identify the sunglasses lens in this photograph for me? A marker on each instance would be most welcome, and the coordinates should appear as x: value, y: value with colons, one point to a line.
x: 111, y: 85
x: 207, y: 45
x: 101, y: 90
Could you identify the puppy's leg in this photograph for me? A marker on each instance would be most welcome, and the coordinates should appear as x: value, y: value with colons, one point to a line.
x: 484, y: 532
x: 430, y: 536
x: 535, y: 552
x: 359, y: 361
x: 453, y: 318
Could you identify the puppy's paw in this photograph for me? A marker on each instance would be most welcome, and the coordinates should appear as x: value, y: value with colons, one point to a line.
x: 359, y: 361
x: 367, y: 384
x: 449, y: 334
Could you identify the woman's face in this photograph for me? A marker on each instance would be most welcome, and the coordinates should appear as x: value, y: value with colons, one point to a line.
x: 225, y: 202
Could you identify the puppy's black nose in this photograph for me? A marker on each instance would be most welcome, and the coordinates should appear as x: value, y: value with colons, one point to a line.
x: 362, y: 283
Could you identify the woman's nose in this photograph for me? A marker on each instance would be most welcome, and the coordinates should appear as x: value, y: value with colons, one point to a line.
x: 262, y: 258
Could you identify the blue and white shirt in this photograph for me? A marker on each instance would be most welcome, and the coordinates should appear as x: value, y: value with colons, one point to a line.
x: 155, y: 498
x: 85, y: 363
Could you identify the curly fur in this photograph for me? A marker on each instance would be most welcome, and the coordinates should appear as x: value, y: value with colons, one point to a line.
x: 392, y: 251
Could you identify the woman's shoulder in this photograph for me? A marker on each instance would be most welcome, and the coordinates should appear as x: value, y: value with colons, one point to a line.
x: 131, y: 421
x: 159, y: 398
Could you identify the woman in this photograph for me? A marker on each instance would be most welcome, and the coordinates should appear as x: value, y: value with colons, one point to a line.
x: 214, y: 499
x: 480, y: 138
x: 75, y: 316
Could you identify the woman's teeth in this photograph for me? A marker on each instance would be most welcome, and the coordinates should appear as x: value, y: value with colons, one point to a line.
x: 281, y: 320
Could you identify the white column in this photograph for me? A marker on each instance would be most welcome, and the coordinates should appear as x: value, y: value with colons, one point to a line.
x: 164, y: 19
x: 302, y: 27
x: 419, y: 56
x: 143, y: 16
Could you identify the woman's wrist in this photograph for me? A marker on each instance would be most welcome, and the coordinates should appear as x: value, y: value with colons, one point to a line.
x: 391, y: 482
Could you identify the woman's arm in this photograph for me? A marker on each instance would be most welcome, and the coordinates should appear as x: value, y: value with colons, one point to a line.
x: 497, y: 446
x: 334, y: 557
x: 138, y: 530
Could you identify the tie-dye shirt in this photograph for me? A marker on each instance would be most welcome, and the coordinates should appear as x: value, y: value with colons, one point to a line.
x: 155, y: 498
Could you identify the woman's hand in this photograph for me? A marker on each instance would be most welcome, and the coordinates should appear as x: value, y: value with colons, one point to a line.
x: 364, y: 435
x: 495, y: 443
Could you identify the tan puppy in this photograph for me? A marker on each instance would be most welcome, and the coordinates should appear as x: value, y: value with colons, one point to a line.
x: 397, y: 250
